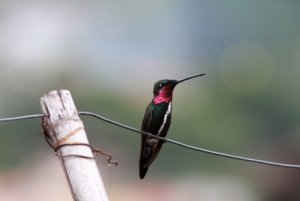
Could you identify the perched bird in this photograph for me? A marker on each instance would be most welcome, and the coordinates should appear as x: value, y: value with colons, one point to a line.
x: 157, y: 121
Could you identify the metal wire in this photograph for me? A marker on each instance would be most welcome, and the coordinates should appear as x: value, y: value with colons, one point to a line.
x: 194, y: 148
x: 30, y: 116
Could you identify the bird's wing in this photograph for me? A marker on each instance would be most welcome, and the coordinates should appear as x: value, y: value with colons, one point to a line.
x: 146, y: 125
x: 152, y: 122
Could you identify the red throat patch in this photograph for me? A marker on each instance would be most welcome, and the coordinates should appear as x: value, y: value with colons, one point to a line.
x: 164, y: 96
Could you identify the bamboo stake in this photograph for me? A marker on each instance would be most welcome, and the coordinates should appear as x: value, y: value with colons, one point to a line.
x: 62, y: 125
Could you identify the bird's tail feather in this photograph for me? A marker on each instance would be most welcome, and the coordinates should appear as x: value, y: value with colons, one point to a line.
x: 143, y: 172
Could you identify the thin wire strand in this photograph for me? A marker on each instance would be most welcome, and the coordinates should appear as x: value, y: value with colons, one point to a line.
x: 192, y: 147
x: 31, y: 116
x: 163, y: 139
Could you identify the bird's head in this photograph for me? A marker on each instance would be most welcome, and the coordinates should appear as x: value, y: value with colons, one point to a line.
x: 163, y: 89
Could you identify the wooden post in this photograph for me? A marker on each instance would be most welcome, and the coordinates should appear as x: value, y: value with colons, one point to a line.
x: 63, y: 126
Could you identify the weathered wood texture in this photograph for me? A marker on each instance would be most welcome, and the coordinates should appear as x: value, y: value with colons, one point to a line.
x: 63, y: 126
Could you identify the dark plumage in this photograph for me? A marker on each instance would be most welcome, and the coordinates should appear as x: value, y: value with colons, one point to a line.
x: 157, y: 120
x: 152, y: 123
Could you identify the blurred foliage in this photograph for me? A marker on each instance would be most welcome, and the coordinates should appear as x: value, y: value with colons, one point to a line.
x: 109, y: 54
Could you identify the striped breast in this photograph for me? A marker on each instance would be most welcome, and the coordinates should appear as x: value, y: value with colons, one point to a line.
x: 157, y: 119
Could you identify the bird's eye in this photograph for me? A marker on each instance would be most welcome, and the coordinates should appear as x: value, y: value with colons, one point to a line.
x: 160, y: 85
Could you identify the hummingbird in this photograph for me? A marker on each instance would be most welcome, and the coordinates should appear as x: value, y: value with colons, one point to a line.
x: 157, y: 120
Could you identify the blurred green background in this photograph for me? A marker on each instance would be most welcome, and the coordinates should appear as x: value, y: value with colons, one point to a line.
x: 110, y: 53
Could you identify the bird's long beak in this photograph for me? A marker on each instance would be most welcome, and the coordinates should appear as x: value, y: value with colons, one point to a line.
x: 188, y: 78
